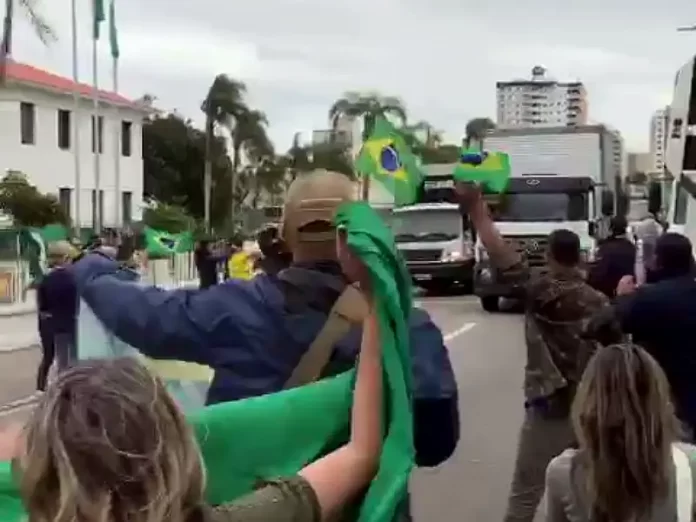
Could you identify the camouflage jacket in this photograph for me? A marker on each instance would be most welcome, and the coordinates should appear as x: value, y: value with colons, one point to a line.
x: 559, y: 306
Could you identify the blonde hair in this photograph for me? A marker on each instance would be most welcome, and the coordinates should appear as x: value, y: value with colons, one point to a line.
x: 107, y: 444
x: 625, y: 424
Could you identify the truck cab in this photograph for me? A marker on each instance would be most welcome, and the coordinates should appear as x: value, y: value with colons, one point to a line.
x: 435, y: 238
x: 530, y: 209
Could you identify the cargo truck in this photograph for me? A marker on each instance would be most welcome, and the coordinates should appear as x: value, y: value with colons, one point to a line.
x: 562, y: 177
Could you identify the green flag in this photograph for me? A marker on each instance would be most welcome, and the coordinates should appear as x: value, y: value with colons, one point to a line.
x: 294, y: 427
x: 34, y: 242
x: 386, y: 157
x: 160, y: 243
x: 488, y: 168
x: 98, y: 16
x: 113, y: 32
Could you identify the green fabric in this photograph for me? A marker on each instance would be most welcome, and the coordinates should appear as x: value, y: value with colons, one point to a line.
x: 160, y: 243
x: 386, y: 157
x: 98, y: 16
x: 493, y: 172
x: 113, y: 31
x: 34, y: 242
x: 277, y: 434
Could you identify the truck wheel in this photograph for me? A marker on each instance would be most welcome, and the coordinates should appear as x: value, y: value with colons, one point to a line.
x: 490, y: 303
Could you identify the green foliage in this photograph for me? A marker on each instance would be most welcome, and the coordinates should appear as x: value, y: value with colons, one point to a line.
x: 27, y: 206
x: 477, y: 128
x: 169, y: 218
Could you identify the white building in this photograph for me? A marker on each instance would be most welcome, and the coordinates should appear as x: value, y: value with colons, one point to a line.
x: 541, y: 101
x: 37, y: 138
x: 618, y: 153
x: 658, y: 137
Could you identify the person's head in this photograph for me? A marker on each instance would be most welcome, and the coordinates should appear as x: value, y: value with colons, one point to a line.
x: 618, y: 226
x: 58, y: 253
x: 310, y: 206
x: 106, y: 442
x: 563, y: 248
x: 673, y: 256
x: 625, y: 424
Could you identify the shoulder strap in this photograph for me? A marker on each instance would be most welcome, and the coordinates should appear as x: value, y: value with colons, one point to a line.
x: 684, y: 484
x: 350, y: 308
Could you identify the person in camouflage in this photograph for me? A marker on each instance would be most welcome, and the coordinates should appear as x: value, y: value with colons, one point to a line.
x: 558, y: 308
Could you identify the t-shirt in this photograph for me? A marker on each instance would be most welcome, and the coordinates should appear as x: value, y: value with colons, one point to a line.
x: 565, y: 502
x: 284, y: 500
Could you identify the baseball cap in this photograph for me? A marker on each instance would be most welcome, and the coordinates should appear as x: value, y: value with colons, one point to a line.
x: 313, y: 198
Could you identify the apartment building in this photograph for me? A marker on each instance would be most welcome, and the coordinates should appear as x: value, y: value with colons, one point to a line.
x: 658, y: 138
x: 540, y: 101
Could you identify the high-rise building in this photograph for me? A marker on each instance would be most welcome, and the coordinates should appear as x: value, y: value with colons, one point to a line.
x: 541, y: 101
x: 658, y: 137
x: 618, y: 151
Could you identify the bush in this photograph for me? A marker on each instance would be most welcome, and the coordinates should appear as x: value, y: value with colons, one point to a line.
x: 26, y: 205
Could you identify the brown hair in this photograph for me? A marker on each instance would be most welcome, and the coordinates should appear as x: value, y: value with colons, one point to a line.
x: 625, y: 424
x: 107, y: 444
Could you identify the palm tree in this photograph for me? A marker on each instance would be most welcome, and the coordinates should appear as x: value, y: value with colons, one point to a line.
x: 222, y: 106
x: 477, y: 129
x: 42, y: 28
x: 369, y: 107
x: 433, y: 137
x: 299, y: 157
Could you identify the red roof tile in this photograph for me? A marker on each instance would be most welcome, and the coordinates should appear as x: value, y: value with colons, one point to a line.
x: 27, y: 74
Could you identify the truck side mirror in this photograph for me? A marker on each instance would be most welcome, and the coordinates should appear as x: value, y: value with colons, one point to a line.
x: 592, y: 228
x: 607, y: 205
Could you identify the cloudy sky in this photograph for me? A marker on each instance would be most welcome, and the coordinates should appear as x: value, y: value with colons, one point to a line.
x: 442, y: 57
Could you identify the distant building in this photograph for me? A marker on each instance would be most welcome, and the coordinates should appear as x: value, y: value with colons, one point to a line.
x: 658, y: 138
x: 541, y: 101
x: 639, y: 162
x: 37, y: 138
x: 618, y: 153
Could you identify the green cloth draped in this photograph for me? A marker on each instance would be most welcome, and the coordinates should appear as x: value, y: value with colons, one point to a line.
x: 278, y: 434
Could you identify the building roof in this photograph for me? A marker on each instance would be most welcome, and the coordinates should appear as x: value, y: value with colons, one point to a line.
x: 525, y: 131
x: 32, y: 76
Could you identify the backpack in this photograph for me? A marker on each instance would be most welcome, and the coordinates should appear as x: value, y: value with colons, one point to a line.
x: 436, y: 400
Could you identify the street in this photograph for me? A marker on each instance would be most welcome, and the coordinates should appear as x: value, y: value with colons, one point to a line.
x: 487, y: 353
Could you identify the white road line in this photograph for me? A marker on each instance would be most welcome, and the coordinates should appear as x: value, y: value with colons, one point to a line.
x: 459, y: 331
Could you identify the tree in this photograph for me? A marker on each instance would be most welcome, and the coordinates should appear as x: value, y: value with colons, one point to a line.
x: 433, y: 138
x: 174, y: 155
x: 476, y: 130
x: 41, y: 27
x: 368, y: 107
x: 223, y: 105
x: 27, y: 206
x: 169, y: 218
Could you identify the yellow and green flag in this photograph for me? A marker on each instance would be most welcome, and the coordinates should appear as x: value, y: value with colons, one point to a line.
x: 386, y: 158
x: 487, y: 168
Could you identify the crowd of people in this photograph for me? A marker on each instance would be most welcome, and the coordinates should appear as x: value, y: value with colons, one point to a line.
x: 608, y: 395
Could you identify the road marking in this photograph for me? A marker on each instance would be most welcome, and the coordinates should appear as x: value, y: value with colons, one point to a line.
x: 19, y: 404
x: 459, y: 331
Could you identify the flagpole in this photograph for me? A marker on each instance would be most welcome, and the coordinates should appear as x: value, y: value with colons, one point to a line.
x: 76, y: 125
x: 117, y: 150
x: 95, y: 129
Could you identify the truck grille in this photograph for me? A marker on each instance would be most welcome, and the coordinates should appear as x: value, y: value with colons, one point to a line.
x: 421, y: 256
x: 531, y: 248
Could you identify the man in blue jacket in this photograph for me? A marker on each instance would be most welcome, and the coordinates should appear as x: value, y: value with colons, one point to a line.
x: 255, y: 333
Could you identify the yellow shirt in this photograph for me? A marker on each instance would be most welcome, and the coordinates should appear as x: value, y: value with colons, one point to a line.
x: 240, y: 266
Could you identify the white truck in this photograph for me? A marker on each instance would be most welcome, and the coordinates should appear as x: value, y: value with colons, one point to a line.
x: 562, y: 177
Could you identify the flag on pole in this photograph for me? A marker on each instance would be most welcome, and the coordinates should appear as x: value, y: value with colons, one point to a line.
x: 99, y: 16
x: 386, y: 157
x: 113, y: 33
x: 488, y: 168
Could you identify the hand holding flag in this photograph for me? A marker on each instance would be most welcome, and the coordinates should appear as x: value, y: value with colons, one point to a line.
x: 487, y: 168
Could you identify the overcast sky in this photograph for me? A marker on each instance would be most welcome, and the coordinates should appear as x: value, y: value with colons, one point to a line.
x: 442, y: 57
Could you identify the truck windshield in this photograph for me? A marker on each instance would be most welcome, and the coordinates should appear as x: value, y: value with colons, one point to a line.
x: 541, y: 207
x: 426, y: 225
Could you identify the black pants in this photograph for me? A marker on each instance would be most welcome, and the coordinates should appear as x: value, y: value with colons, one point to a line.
x: 48, y: 353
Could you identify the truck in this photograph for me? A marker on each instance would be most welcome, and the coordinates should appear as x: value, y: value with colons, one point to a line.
x: 433, y: 236
x: 561, y: 177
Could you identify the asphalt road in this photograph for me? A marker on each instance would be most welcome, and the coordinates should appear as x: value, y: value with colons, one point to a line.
x: 487, y: 352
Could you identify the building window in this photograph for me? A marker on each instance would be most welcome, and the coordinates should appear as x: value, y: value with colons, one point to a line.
x: 98, y: 135
x: 27, y: 129
x: 126, y: 138
x: 63, y: 129
x: 127, y: 207
x: 97, y: 209
x: 65, y: 200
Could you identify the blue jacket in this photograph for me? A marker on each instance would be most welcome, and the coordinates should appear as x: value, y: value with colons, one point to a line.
x: 252, y: 338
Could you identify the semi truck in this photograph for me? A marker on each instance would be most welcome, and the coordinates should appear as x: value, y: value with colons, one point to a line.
x: 561, y: 177
x: 433, y: 236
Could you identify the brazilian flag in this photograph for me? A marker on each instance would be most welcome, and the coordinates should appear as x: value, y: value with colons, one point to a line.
x: 386, y: 157
x: 161, y: 243
x: 487, y: 168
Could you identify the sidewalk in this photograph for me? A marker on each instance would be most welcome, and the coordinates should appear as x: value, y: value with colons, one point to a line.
x: 19, y: 328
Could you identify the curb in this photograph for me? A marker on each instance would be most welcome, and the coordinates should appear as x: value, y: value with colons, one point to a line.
x: 20, y: 348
